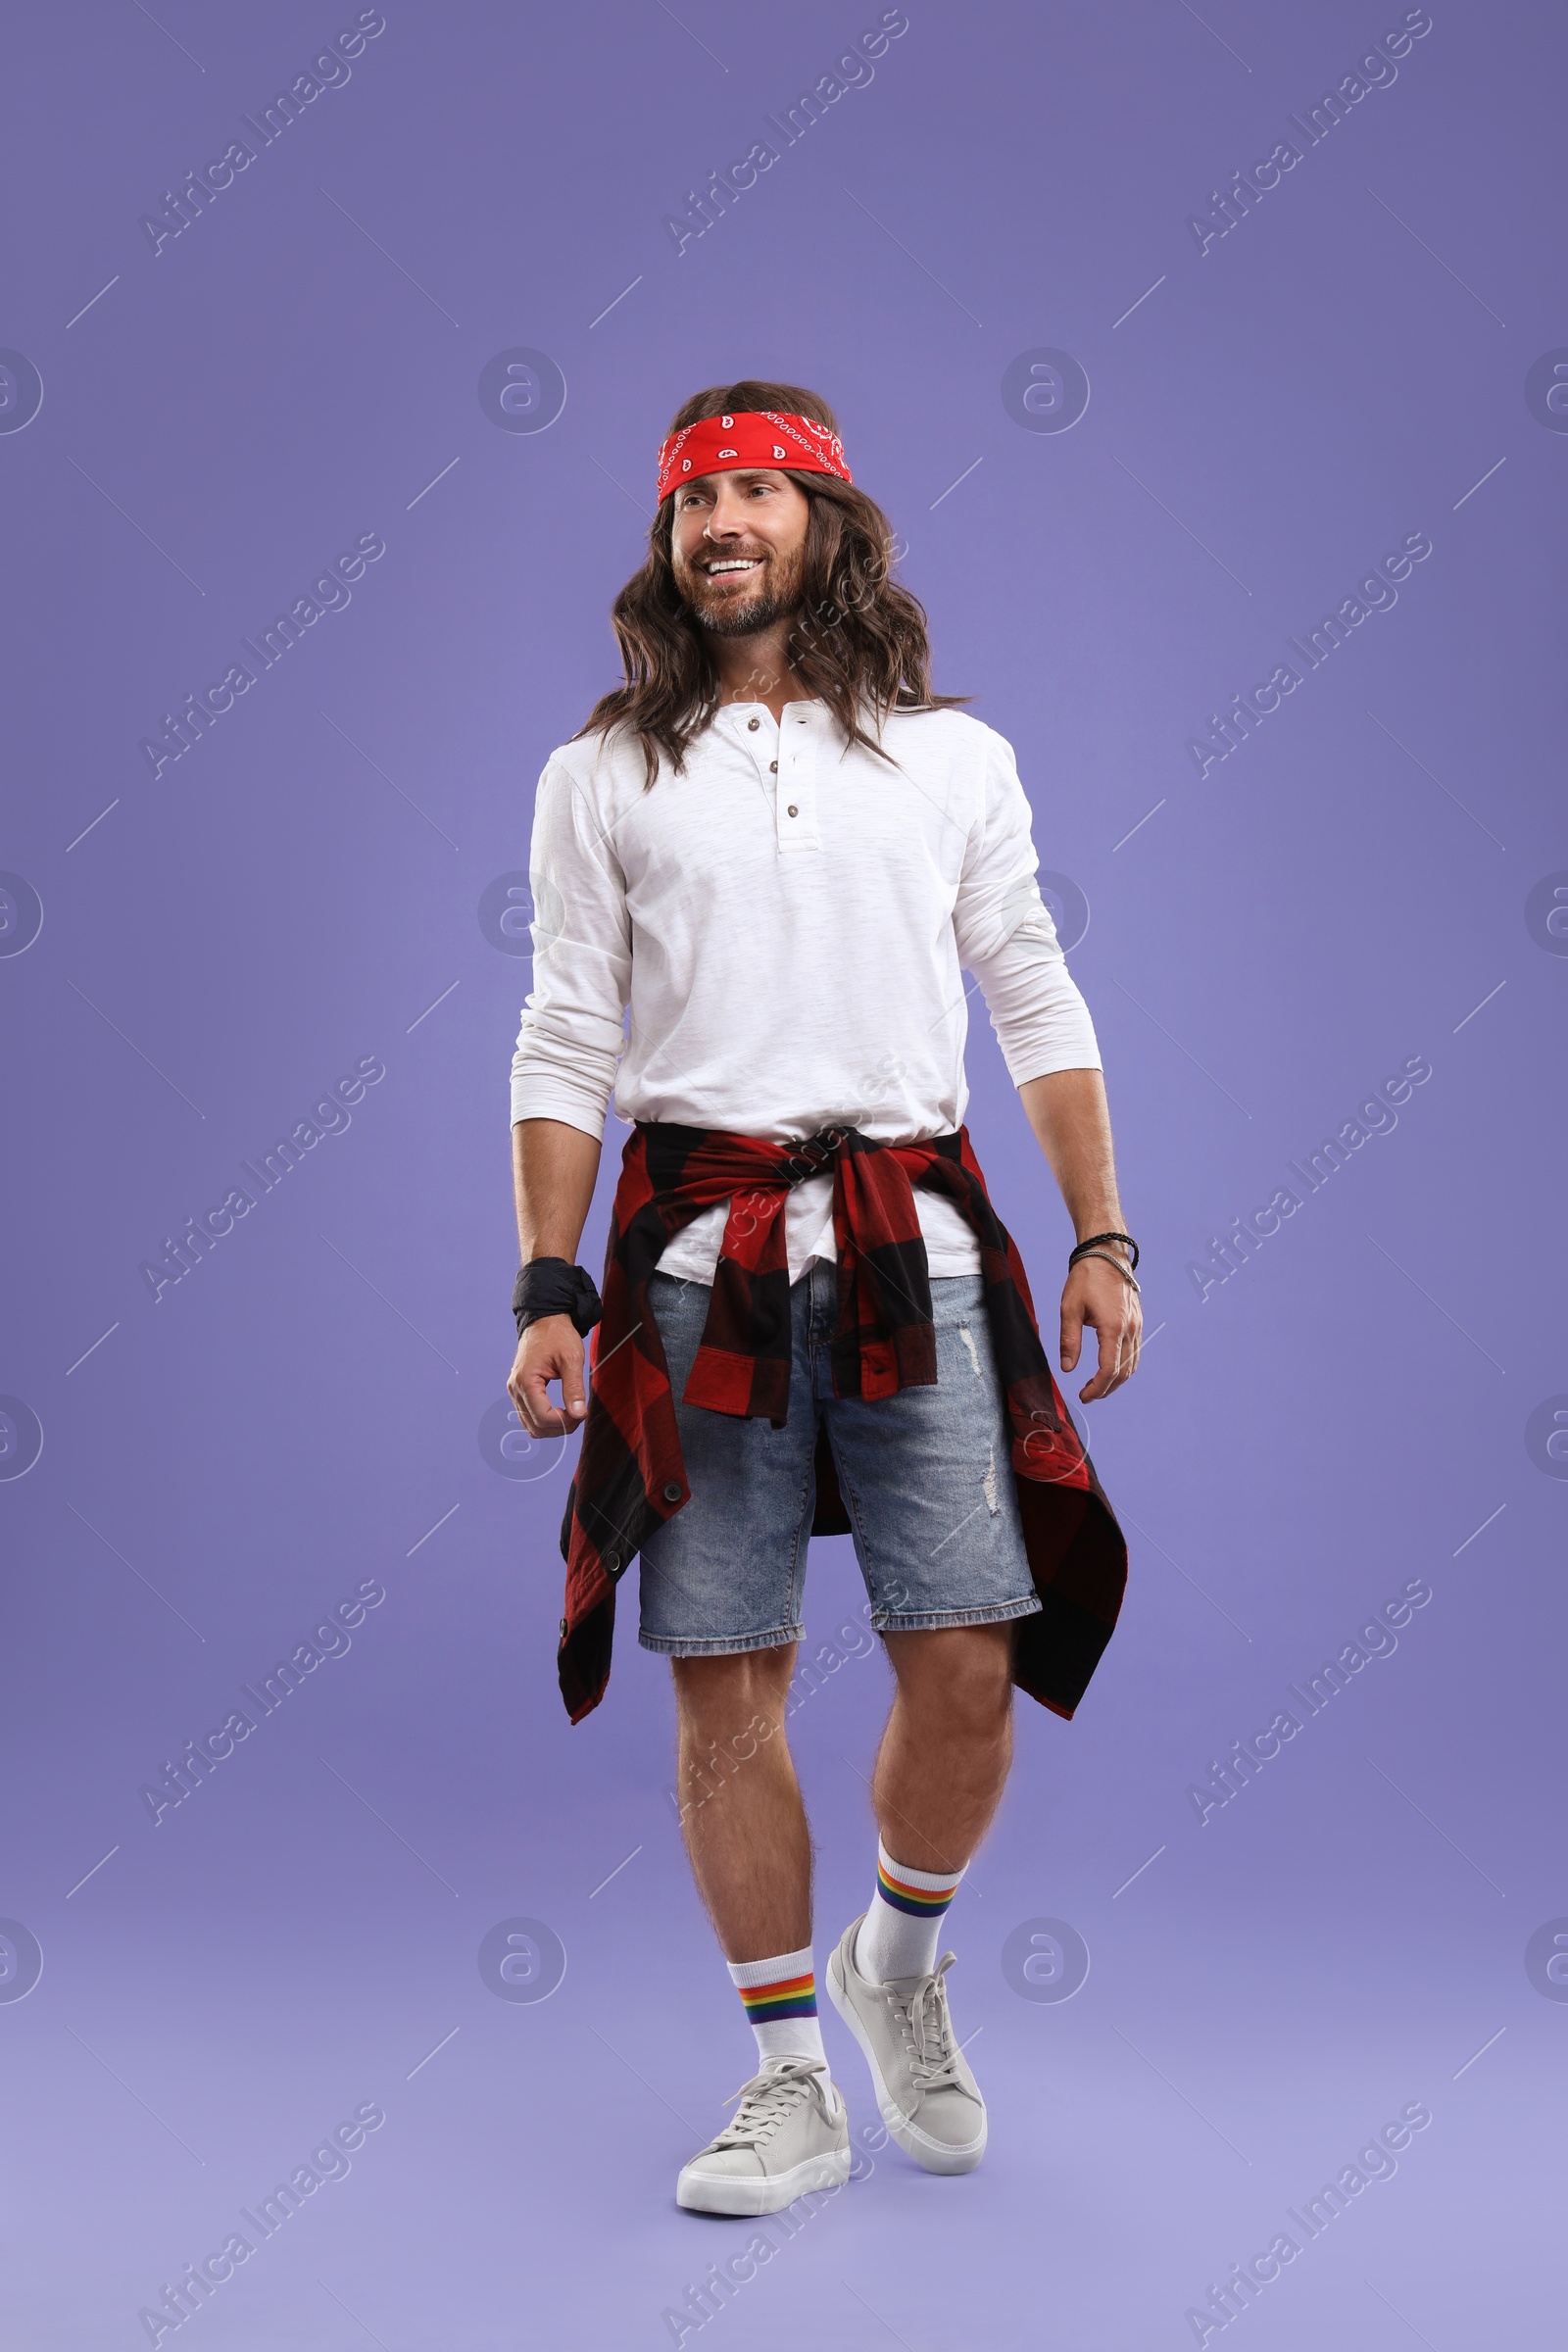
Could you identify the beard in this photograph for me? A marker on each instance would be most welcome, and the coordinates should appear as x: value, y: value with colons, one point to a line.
x: 773, y: 594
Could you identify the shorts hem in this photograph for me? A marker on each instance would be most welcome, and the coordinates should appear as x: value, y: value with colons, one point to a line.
x: 934, y: 1620
x: 723, y: 1645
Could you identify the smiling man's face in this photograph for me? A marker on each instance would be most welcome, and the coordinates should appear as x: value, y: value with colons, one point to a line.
x: 738, y: 548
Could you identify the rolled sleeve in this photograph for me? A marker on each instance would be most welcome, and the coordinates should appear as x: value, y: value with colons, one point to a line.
x: 571, y: 1038
x: 1006, y: 938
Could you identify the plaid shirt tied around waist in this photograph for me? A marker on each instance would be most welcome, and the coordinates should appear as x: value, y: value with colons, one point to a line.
x: 630, y: 1475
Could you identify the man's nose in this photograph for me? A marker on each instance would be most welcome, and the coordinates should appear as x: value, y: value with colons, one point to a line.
x: 727, y: 521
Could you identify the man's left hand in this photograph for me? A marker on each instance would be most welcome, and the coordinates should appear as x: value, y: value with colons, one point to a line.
x: 1095, y: 1293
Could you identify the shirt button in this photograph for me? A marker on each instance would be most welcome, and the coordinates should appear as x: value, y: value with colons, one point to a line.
x: 772, y: 767
x: 793, y: 811
x: 673, y: 1491
x: 751, y: 725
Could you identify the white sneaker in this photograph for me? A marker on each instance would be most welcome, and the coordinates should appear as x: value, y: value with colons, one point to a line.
x: 929, y: 2100
x: 790, y: 2133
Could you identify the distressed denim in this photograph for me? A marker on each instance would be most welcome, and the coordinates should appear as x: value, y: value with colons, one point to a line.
x: 927, y: 1475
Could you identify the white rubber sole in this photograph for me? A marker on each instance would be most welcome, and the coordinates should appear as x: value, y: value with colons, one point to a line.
x: 727, y: 2192
x: 934, y: 2155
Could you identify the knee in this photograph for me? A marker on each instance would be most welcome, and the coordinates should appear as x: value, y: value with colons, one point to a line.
x: 980, y: 1700
x: 960, y: 1678
x: 731, y: 1700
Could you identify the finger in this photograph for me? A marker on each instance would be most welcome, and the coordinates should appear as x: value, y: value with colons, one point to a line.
x: 526, y: 1412
x: 1094, y: 1387
x: 562, y: 1361
x: 539, y: 1416
x: 1109, y: 1373
x: 518, y: 1391
x: 1073, y: 1331
x: 574, y: 1395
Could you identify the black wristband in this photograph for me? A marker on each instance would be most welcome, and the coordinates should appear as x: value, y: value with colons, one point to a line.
x: 549, y: 1286
x: 1088, y: 1244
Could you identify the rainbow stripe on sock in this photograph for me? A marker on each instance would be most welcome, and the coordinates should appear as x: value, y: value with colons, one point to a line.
x: 787, y: 1996
x: 920, y: 1902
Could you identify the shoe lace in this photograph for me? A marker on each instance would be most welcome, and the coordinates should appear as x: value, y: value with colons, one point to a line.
x: 771, y: 2095
x: 928, y: 2029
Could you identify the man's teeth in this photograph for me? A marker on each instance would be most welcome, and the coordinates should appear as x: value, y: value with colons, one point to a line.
x: 737, y: 563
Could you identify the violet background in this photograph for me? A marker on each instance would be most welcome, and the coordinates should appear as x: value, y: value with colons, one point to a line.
x: 1348, y: 1413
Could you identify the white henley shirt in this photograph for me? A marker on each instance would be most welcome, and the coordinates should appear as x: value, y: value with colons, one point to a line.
x: 788, y: 923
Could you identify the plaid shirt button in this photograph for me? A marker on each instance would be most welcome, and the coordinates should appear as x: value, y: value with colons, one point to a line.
x: 673, y: 1491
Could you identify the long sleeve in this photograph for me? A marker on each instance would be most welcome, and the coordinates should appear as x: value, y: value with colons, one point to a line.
x: 571, y: 1041
x: 1006, y: 938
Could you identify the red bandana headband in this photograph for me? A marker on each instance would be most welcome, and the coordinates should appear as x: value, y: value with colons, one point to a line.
x: 750, y: 437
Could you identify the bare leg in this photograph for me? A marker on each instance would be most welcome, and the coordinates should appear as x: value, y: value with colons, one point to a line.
x: 942, y: 1762
x: 741, y: 1811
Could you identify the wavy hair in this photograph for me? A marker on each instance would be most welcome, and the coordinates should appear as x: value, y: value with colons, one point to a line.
x: 857, y: 639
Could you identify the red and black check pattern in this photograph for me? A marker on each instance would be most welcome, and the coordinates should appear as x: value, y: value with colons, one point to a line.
x: 630, y: 1475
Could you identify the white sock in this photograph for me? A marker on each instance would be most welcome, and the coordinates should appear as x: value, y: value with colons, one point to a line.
x: 900, y: 1932
x: 779, y: 1997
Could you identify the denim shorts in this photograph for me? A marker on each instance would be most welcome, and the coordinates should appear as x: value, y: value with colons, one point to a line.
x: 925, y: 1474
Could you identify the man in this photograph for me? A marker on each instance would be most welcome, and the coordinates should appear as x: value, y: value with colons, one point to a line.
x: 780, y: 849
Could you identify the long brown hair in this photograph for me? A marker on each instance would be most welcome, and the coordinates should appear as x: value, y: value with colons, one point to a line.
x: 858, y: 639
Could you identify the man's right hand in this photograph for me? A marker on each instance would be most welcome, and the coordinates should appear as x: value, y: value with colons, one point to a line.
x: 549, y: 1350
